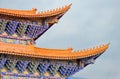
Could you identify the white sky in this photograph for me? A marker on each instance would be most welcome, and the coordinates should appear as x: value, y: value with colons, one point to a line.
x: 88, y: 23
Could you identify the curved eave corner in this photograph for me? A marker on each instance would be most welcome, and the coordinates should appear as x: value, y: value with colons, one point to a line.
x: 69, y: 54
x: 64, y: 54
x: 32, y: 13
x: 55, y: 12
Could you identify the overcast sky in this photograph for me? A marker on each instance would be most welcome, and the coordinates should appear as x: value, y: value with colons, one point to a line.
x: 88, y: 23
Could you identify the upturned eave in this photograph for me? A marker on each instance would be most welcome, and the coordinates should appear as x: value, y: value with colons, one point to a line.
x: 33, y: 13
x: 61, y: 54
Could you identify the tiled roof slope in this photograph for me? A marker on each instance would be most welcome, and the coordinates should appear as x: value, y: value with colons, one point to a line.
x: 32, y: 51
x: 33, y: 14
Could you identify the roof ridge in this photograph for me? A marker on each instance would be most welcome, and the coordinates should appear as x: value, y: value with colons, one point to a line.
x: 33, y: 13
x: 6, y: 10
x: 51, y: 54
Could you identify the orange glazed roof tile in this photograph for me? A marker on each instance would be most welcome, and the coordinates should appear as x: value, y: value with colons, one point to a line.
x: 32, y: 13
x: 15, y: 49
x: 23, y: 12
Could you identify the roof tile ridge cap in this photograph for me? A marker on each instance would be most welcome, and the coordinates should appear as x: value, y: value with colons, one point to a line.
x: 67, y: 7
x: 34, y: 10
x: 99, y: 48
x: 64, y: 9
x: 55, y: 11
x: 14, y: 11
x: 51, y: 49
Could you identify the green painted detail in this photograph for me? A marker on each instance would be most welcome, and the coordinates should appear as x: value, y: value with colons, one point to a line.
x: 2, y: 25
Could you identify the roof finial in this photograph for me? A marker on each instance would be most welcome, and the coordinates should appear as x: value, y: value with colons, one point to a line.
x: 34, y: 9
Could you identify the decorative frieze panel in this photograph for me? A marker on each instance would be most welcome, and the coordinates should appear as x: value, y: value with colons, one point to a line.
x: 22, y: 28
x: 42, y: 66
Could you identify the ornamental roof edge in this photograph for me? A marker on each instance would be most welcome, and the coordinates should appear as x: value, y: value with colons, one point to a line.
x: 36, y: 52
x: 32, y: 13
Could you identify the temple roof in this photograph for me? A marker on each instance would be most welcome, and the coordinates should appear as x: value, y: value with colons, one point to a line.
x: 67, y: 54
x: 28, y: 24
x: 33, y: 14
